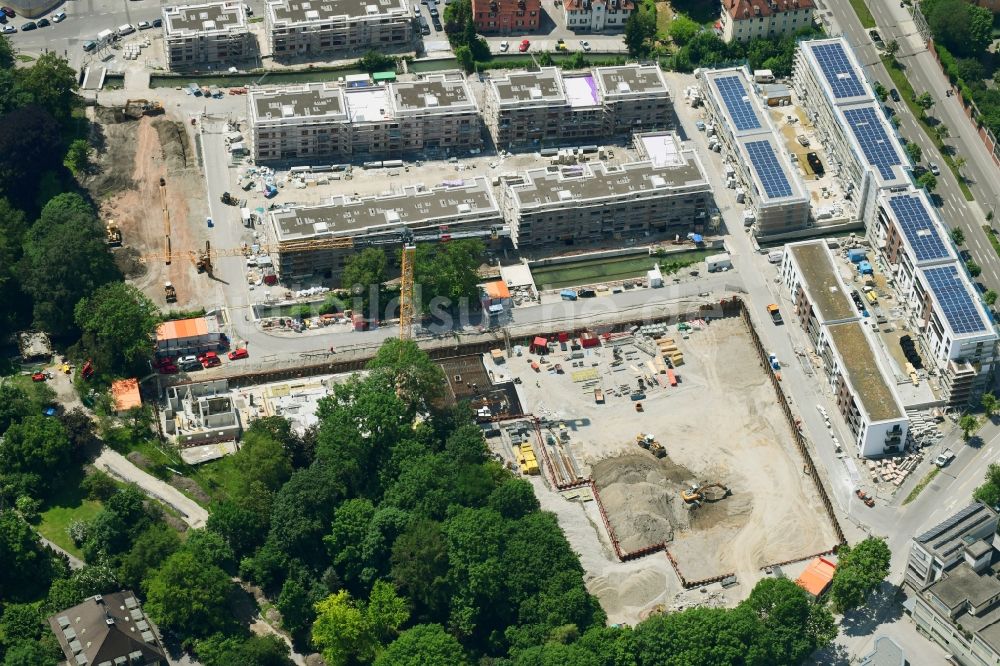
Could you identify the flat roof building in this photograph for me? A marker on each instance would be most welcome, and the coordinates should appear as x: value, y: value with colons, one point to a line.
x: 865, y: 398
x: 531, y: 108
x: 863, y: 148
x: 939, y: 298
x: 778, y: 201
x: 206, y: 35
x: 668, y: 194
x: 187, y: 336
x: 318, y: 121
x: 318, y: 239
x: 302, y: 29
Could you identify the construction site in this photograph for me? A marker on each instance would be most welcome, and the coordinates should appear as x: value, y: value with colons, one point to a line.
x: 152, y: 199
x: 675, y: 452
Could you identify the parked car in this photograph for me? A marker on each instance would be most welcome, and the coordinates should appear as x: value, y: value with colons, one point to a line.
x: 237, y: 354
x: 525, y: 45
x: 8, y: 11
x: 144, y: 25
x: 433, y: 11
x: 8, y: 30
x: 894, y: 94
x: 944, y: 458
x: 585, y: 45
x: 935, y: 169
x: 504, y: 46
x: 59, y: 17
x: 188, y: 363
x: 30, y: 25
x: 125, y: 29
x: 169, y: 369
x: 43, y: 23
x: 157, y: 23
x: 3, y: 18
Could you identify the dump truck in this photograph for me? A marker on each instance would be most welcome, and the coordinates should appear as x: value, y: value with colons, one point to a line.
x: 772, y: 310
x: 136, y: 108
x: 707, y: 492
x: 169, y: 292
x: 113, y: 235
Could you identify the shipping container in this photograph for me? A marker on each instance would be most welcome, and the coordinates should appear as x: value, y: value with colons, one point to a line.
x: 671, y: 377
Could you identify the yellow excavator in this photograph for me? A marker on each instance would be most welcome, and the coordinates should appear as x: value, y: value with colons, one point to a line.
x: 707, y: 492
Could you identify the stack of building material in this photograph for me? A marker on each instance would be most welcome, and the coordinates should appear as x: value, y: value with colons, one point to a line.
x: 893, y: 470
x: 526, y: 458
x: 668, y: 349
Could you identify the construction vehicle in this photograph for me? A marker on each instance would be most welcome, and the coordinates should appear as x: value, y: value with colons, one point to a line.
x: 229, y: 199
x: 772, y: 310
x: 707, y: 492
x: 136, y: 108
x: 112, y: 234
x: 169, y: 293
x: 865, y: 497
x: 649, y: 443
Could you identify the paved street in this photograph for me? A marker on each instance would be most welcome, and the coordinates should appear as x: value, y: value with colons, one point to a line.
x: 121, y: 468
x: 925, y: 75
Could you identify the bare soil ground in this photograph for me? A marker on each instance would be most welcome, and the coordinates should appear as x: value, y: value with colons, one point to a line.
x: 136, y: 154
x: 721, y: 424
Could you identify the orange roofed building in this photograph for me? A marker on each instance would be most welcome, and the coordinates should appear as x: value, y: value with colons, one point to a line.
x: 496, y: 301
x: 817, y: 577
x: 742, y: 20
x: 506, y: 17
x: 126, y: 394
x: 188, y: 336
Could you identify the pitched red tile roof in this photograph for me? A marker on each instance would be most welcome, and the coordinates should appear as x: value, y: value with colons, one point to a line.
x: 742, y: 9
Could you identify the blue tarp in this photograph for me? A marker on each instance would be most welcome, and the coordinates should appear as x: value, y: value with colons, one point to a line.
x: 696, y: 238
x: 856, y: 255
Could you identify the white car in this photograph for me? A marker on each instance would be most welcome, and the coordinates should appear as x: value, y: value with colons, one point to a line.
x: 935, y: 169
x: 504, y: 46
x: 144, y: 25
x: 946, y: 457
x: 8, y: 30
x: 126, y: 29
x: 58, y: 17
x: 585, y: 45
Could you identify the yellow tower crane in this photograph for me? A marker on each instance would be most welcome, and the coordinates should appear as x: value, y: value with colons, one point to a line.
x: 406, y: 292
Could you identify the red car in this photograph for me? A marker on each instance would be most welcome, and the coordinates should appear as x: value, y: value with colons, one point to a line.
x: 163, y: 362
x: 525, y: 45
x: 168, y: 369
x: 38, y: 377
x: 8, y: 11
x: 237, y: 354
x: 207, y: 355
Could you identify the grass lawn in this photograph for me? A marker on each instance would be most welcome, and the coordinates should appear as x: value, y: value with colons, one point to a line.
x: 216, y: 478
x: 906, y: 92
x: 923, y: 484
x: 664, y: 15
x: 68, y: 504
x: 864, y: 14
x: 609, y: 270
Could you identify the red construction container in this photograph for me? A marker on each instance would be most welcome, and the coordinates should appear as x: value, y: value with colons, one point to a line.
x: 564, y: 337
x: 588, y: 339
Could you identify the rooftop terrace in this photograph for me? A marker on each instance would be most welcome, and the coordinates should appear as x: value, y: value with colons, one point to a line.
x: 530, y: 87
x: 203, y: 18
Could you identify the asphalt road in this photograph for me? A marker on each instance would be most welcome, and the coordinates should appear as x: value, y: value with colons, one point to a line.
x: 923, y: 72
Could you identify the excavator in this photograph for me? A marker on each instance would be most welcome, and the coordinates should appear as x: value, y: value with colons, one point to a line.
x: 707, y: 492
x: 136, y: 108
x: 113, y: 234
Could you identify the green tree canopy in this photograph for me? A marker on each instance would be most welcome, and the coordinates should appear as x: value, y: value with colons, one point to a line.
x: 989, y: 492
x: 151, y: 548
x: 118, y: 323
x: 261, y: 459
x: 640, y: 30
x: 34, y: 454
x: 448, y: 272
x: 27, y: 566
x: 419, y: 380
x: 913, y: 152
x: 860, y: 570
x: 423, y: 645
x: 188, y: 596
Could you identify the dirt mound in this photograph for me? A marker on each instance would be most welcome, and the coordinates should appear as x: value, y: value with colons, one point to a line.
x: 176, y: 150
x: 640, y: 494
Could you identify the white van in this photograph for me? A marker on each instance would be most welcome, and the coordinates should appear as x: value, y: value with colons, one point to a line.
x: 126, y: 29
x: 105, y: 36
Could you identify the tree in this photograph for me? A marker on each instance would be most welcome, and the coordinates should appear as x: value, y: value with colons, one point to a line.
x: 913, y: 152
x: 892, y: 48
x: 98, y: 485
x: 34, y: 653
x: 14, y: 405
x: 241, y: 527
x: 682, y: 29
x: 860, y: 570
x: 989, y: 492
x: 30, y: 145
x: 340, y: 631
x: 65, y: 259
x: 34, y: 453
x: 974, y: 269
x: 262, y: 459
x: 419, y: 380
x: 925, y: 101
x: 27, y: 568
x: 223, y: 650
x: 446, y: 276
x: 990, y: 297
x: 990, y: 404
x: 188, y: 596
x: 958, y: 236
x: 50, y: 83
x: 422, y: 645
x: 880, y: 90
x: 210, y: 548
x: 296, y: 606
x: 514, y: 499
x: 365, y: 269
x: 640, y: 29
x: 78, y: 157
x: 118, y: 322
x: 942, y: 131
x: 373, y: 61
x: 968, y: 424
x: 793, y: 627
x: 420, y: 566
x: 927, y: 180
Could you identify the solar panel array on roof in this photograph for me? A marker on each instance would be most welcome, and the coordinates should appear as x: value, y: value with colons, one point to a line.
x: 736, y: 100
x: 837, y: 69
x: 769, y: 170
x: 956, y: 302
x: 875, y: 143
x: 918, y: 227
x: 941, y: 528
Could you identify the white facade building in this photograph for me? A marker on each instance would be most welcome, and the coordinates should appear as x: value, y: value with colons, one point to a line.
x: 206, y: 35
x: 743, y: 20
x: 597, y: 15
x: 778, y: 201
x: 866, y: 399
x: 303, y: 29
